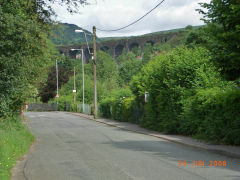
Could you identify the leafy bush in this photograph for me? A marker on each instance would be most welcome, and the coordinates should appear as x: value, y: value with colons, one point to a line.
x: 213, y: 114
x: 124, y: 57
x: 120, y: 93
x: 120, y: 105
x: 188, y: 96
x: 106, y: 67
x: 105, y: 107
x: 124, y: 109
x: 129, y: 69
x: 67, y: 89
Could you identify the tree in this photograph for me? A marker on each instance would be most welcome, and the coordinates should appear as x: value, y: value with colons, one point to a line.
x: 223, y: 19
x: 107, y: 68
x: 48, y: 89
x: 107, y: 71
x: 125, y: 57
x: 136, y: 50
x: 128, y: 69
x: 25, y: 51
x: 147, y: 53
x: 197, y: 37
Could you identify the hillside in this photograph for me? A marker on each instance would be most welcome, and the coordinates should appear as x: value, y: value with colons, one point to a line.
x: 64, y: 34
x: 153, y: 33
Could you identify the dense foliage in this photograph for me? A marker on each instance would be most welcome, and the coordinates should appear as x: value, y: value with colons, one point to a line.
x: 25, y: 48
x: 129, y: 66
x: 119, y: 105
x: 107, y: 80
x: 187, y: 95
x: 223, y: 30
x: 47, y: 90
x: 25, y: 51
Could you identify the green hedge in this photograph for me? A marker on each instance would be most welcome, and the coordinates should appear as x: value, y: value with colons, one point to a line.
x: 65, y: 103
x: 188, y: 96
x: 213, y: 114
x: 122, y: 109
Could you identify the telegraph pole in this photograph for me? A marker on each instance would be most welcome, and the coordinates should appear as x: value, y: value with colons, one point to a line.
x: 95, y: 71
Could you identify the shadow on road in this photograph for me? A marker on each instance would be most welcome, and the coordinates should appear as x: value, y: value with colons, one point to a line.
x: 176, y: 152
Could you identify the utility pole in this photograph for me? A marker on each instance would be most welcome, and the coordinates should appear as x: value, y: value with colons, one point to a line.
x: 95, y: 71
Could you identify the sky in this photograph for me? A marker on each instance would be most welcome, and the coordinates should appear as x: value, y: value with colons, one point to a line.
x: 113, y: 14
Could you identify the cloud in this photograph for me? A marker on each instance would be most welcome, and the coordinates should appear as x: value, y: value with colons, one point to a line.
x: 109, y: 14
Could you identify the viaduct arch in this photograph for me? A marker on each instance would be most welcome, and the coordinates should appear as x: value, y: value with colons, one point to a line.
x: 115, y: 47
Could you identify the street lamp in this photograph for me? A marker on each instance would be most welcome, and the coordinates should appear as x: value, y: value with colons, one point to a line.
x: 81, y: 31
x: 57, y: 95
x: 94, y: 65
x: 78, y: 31
x: 82, y: 74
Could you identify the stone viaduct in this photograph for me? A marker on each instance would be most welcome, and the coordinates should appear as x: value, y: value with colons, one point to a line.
x: 115, y: 46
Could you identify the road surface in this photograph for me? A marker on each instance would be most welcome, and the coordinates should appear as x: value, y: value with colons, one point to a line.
x: 73, y: 148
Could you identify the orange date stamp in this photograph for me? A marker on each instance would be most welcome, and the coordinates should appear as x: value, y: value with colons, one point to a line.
x: 199, y: 163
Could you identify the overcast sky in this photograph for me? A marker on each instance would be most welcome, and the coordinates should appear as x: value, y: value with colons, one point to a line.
x: 112, y: 14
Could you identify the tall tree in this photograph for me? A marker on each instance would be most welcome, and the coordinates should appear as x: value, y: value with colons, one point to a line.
x: 223, y: 19
x: 24, y: 47
x: 23, y: 51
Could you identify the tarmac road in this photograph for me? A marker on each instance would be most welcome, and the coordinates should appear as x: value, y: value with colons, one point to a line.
x: 73, y: 148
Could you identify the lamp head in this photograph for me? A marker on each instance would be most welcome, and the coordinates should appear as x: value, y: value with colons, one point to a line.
x: 78, y: 31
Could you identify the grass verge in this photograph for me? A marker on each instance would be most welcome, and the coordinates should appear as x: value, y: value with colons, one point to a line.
x: 15, y: 140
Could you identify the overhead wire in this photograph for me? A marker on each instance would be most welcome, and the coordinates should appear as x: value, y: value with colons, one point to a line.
x: 87, y: 42
x: 134, y: 22
x: 99, y: 41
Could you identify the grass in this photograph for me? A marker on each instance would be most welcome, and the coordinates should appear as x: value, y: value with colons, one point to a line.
x: 15, y: 140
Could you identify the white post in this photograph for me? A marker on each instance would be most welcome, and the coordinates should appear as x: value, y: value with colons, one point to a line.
x: 57, y: 74
x: 74, y: 86
x: 83, y: 81
x: 57, y: 82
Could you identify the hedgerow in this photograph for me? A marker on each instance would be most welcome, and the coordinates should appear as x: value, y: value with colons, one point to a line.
x: 188, y: 96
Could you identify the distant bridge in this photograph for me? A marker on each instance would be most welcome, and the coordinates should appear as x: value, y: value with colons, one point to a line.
x: 116, y: 46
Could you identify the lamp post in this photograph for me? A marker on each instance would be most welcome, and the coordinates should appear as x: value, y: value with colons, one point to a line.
x: 57, y: 95
x: 95, y: 71
x: 94, y: 57
x: 81, y: 31
x: 74, y: 85
x: 95, y: 87
x: 82, y: 75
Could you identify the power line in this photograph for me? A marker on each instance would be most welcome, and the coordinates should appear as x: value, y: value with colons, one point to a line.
x: 106, y: 30
x: 87, y: 43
